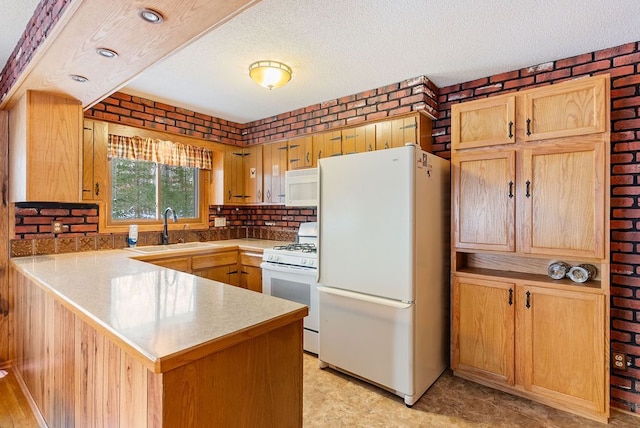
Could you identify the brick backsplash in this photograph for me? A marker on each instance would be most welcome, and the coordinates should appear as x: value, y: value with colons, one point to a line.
x: 623, y: 64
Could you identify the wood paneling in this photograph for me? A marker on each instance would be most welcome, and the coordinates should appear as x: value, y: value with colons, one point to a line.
x: 6, y: 333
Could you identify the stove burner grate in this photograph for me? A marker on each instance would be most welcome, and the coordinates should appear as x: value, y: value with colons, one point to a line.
x: 305, y: 248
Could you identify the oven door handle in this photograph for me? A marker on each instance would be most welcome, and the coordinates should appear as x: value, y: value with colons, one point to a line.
x: 287, y: 269
x: 365, y: 298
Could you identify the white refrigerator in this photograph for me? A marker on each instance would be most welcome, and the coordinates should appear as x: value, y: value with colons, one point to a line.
x: 384, y: 267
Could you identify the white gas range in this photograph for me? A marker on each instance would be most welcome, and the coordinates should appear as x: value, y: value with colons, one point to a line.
x: 290, y: 272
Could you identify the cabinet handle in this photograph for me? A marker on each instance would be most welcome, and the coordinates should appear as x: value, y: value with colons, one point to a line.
x: 370, y: 148
x: 268, y: 195
x: 511, y: 189
x: 4, y: 193
x: 294, y: 160
x: 528, y: 193
x: 510, y: 129
x: 528, y: 126
x: 97, y: 189
x: 259, y: 194
x: 320, y: 154
x: 528, y: 305
x: 510, y: 296
x: 229, y: 194
x: 386, y: 145
x: 308, y: 160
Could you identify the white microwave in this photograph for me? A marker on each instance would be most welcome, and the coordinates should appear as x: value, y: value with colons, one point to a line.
x: 301, y: 188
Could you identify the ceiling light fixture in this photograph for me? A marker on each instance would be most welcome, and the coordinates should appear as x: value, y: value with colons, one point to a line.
x: 151, y: 16
x: 107, y: 53
x: 270, y: 74
x: 78, y: 78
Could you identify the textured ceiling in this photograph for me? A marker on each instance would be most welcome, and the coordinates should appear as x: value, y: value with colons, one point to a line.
x: 341, y: 47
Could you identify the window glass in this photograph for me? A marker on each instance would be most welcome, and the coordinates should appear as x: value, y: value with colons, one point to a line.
x: 142, y: 190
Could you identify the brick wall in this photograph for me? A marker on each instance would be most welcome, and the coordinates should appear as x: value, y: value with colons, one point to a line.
x: 416, y: 94
x: 33, y: 220
x: 623, y: 64
x: 259, y: 216
x: 37, y: 29
x: 145, y: 113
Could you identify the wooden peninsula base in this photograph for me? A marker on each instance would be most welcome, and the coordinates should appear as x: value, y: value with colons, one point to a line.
x: 77, y: 374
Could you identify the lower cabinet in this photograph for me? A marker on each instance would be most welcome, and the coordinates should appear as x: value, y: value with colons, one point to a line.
x: 222, y: 267
x: 540, y: 342
x: 250, y: 271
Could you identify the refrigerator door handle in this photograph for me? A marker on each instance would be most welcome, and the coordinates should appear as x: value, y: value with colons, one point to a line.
x: 365, y: 298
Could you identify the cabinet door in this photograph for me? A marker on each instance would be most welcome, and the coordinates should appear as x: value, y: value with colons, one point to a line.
x: 233, y: 185
x: 301, y: 152
x: 183, y: 264
x: 562, y: 194
x: 573, y: 108
x: 252, y: 171
x: 383, y: 135
x: 328, y: 144
x: 404, y: 131
x: 486, y: 122
x: 561, y: 342
x: 5, y: 285
x: 94, y: 160
x: 484, y: 201
x: 359, y: 139
x: 274, y: 166
x: 251, y: 278
x: 483, y: 328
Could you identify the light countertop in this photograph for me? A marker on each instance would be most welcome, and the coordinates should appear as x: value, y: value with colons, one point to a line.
x: 155, y: 312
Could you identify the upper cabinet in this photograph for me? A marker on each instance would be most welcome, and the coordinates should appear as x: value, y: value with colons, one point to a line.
x: 572, y: 108
x: 45, y: 139
x: 486, y: 122
x: 327, y: 144
x: 359, y: 139
x: 274, y: 161
x: 94, y: 160
x: 243, y: 175
x: 301, y: 153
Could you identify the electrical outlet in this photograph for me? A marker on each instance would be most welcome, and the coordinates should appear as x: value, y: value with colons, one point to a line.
x: 219, y: 222
x: 619, y: 360
x: 56, y: 226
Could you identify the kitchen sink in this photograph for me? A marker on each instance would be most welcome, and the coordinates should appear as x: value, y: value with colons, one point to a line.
x: 172, y: 247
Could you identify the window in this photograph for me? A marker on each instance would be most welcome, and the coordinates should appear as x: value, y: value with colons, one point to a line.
x: 141, y: 190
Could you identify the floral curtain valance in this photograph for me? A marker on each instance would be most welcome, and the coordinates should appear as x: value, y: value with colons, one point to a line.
x: 159, y: 151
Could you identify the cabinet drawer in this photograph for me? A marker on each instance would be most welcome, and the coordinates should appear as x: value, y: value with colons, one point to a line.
x: 181, y: 263
x: 250, y: 259
x: 212, y: 260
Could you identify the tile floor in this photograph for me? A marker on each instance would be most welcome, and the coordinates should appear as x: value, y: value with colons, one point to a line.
x: 332, y: 399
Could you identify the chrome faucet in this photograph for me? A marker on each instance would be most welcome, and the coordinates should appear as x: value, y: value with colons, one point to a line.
x: 165, y: 232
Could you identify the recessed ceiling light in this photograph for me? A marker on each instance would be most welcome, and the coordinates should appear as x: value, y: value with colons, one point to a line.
x: 78, y: 78
x: 107, y: 53
x: 151, y: 16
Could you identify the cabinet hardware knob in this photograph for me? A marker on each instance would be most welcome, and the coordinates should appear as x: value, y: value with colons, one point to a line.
x: 528, y: 193
x: 510, y: 296
x: 511, y: 189
x: 510, y: 129
x: 528, y: 305
x: 528, y: 126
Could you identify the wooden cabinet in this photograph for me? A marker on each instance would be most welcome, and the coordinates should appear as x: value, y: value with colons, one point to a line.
x: 327, y: 144
x: 301, y: 154
x: 511, y: 333
x: 486, y: 122
x: 6, y: 287
x: 45, y: 138
x: 484, y: 200
x: 250, y: 271
x: 483, y: 328
x: 574, y: 108
x: 578, y: 107
x: 94, y: 160
x: 243, y: 175
x: 221, y: 266
x: 518, y: 205
x: 359, y: 139
x: 415, y: 128
x: 274, y: 160
x: 563, y: 208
